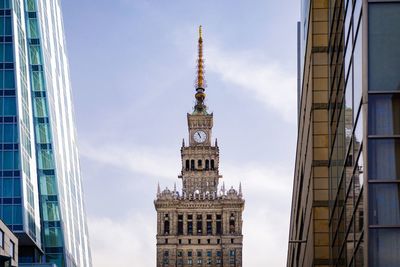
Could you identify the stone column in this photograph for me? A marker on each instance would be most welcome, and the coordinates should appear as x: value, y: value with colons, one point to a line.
x: 214, y: 223
x: 195, y: 224
x: 185, y: 223
x: 225, y: 222
x: 204, y: 217
x: 237, y: 223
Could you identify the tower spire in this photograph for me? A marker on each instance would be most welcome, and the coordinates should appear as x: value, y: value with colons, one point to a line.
x: 200, y: 81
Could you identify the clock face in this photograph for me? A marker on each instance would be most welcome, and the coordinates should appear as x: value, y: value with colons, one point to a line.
x: 200, y: 136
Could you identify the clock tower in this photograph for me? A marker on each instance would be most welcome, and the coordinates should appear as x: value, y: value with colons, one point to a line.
x: 202, y: 224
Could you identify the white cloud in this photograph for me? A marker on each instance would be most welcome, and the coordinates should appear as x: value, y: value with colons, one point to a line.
x: 123, y: 243
x: 154, y: 162
x: 267, y: 82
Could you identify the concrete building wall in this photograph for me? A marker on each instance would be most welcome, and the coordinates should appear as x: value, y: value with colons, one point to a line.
x: 309, y: 231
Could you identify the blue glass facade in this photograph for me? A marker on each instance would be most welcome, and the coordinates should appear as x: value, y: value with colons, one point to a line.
x: 41, y: 196
x: 384, y: 134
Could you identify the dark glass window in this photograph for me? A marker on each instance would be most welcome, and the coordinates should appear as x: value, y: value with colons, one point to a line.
x: 166, y: 227
x: 199, y: 224
x: 384, y: 247
x: 187, y: 165
x: 207, y: 164
x: 212, y: 164
x: 219, y: 224
x: 383, y: 46
x: 384, y: 159
x: 190, y: 225
x: 180, y: 224
x: 384, y: 204
x: 209, y: 227
x: 192, y: 164
x: 384, y: 114
x: 200, y: 163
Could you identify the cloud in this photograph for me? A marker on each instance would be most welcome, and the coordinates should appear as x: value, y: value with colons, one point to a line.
x: 123, y: 243
x: 267, y: 82
x: 153, y: 162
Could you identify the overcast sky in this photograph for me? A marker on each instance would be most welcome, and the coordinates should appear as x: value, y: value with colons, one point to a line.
x: 133, y: 69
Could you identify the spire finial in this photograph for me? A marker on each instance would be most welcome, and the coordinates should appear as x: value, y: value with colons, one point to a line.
x: 240, y: 189
x: 200, y: 81
x: 200, y: 32
x: 158, y: 189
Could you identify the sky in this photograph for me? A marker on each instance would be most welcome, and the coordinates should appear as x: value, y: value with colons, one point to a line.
x: 133, y: 66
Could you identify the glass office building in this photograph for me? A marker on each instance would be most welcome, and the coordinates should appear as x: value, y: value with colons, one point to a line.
x: 355, y: 44
x: 41, y: 196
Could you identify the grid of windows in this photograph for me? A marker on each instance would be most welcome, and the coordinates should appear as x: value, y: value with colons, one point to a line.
x: 346, y: 164
x: 383, y: 134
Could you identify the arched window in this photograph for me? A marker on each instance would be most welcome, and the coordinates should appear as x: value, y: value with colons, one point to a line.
x: 212, y: 164
x: 192, y: 164
x: 232, y: 223
x: 166, y: 224
x: 199, y: 164
x: 187, y: 165
x: 207, y: 164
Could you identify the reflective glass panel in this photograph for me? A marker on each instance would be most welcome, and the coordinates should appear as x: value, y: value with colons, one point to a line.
x: 383, y: 48
x: 384, y: 247
x: 384, y: 159
x: 384, y: 204
x: 384, y: 114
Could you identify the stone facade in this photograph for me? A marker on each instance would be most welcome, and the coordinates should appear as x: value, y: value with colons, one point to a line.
x: 8, y: 247
x: 202, y: 224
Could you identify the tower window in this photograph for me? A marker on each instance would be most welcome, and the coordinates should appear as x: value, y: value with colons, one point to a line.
x: 166, y: 224
x: 212, y: 165
x: 209, y: 224
x: 192, y: 164
x: 190, y: 225
x: 199, y: 224
x: 219, y: 224
x: 180, y: 224
x: 187, y: 165
x: 207, y: 164
x: 166, y: 227
x: 232, y: 223
x: 200, y: 164
x: 209, y: 228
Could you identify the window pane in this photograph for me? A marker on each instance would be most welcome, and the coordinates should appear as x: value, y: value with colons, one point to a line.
x: 383, y: 48
x: 8, y: 106
x: 9, y: 133
x: 384, y: 159
x: 384, y: 202
x: 9, y: 160
x: 384, y: 247
x: 384, y: 114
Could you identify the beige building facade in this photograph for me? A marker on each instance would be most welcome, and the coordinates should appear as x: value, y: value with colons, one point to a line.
x: 202, y: 224
x: 346, y: 198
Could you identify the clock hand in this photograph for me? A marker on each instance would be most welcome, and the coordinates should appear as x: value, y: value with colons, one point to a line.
x: 199, y: 135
